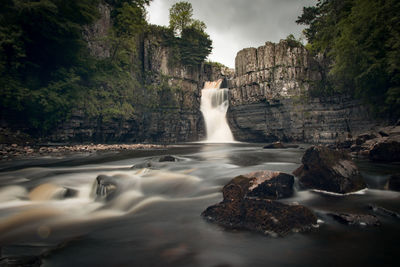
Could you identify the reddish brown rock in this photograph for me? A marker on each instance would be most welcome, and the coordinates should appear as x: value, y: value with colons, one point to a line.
x: 329, y: 170
x: 356, y: 219
x: 247, y: 205
x: 261, y: 215
x: 261, y: 184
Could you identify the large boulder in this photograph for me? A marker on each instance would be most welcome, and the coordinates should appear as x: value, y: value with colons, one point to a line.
x: 261, y: 215
x: 261, y: 184
x: 329, y: 170
x: 248, y: 204
x: 387, y: 150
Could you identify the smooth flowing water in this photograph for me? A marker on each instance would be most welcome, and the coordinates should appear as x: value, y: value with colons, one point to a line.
x: 214, y: 105
x: 48, y: 207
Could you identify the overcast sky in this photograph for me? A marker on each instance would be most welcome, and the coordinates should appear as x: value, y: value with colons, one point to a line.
x: 237, y: 24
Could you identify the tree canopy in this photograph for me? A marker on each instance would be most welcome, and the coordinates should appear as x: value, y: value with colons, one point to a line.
x: 180, y: 16
x: 194, y: 43
x: 46, y: 69
x: 361, y: 38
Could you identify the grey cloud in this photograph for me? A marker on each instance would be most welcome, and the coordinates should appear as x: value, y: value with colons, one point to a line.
x: 236, y: 24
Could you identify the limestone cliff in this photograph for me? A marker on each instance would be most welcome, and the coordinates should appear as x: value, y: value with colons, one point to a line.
x: 170, y: 93
x: 268, y: 99
x: 272, y: 71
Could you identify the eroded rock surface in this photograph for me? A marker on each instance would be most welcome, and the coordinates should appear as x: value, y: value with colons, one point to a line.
x: 261, y: 184
x: 356, y: 219
x: 329, y: 170
x: 248, y: 204
x: 261, y: 215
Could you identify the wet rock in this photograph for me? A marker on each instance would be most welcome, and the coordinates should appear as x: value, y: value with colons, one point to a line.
x: 345, y: 144
x: 383, y: 133
x: 274, y: 145
x: 387, y: 150
x: 261, y: 184
x: 329, y: 170
x: 261, y: 215
x: 142, y: 165
x: 105, y: 187
x: 168, y: 158
x: 364, y: 137
x: 70, y: 193
x: 21, y: 261
x: 394, y: 182
x: 355, y: 148
x: 355, y: 219
x: 49, y: 191
x: 382, y: 211
x: 248, y: 204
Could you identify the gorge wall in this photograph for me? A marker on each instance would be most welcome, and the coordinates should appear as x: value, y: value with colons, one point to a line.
x: 269, y: 100
x: 268, y: 97
x: 171, y: 92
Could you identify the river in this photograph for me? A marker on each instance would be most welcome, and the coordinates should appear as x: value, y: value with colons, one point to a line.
x: 154, y: 217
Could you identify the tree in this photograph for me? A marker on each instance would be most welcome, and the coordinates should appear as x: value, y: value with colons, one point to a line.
x: 195, y: 45
x: 180, y: 16
x: 361, y: 38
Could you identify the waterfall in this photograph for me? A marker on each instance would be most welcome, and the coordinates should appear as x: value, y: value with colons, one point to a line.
x: 214, y: 105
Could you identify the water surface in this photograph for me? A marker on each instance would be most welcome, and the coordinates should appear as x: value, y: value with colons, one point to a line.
x: 154, y: 220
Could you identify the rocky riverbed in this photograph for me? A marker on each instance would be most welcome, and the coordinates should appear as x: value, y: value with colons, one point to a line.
x: 13, y: 151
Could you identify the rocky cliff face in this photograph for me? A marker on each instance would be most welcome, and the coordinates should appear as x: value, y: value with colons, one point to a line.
x: 175, y: 113
x: 272, y: 71
x: 95, y: 34
x: 268, y: 99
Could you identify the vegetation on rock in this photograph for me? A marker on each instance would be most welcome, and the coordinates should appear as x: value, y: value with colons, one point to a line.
x: 46, y: 70
x: 361, y: 40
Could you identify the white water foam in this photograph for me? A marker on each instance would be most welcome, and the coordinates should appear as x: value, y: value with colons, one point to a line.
x: 214, y: 105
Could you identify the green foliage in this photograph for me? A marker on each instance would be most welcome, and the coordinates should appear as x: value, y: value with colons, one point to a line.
x: 194, y: 44
x: 362, y: 40
x: 180, y: 16
x: 111, y: 94
x: 41, y: 60
x: 293, y: 42
x: 45, y: 67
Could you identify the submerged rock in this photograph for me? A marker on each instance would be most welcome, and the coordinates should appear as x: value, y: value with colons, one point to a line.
x: 49, y: 191
x: 168, y: 158
x: 261, y: 184
x: 329, y: 170
x: 275, y: 145
x: 105, y: 187
x: 382, y: 211
x: 142, y: 165
x: 248, y: 204
x: 355, y: 219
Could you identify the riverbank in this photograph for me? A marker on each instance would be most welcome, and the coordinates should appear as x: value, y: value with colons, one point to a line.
x: 13, y: 151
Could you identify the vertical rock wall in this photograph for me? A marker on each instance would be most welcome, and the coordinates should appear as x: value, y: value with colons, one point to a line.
x: 268, y: 99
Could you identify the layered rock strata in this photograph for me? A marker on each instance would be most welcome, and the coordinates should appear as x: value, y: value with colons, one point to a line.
x: 269, y: 102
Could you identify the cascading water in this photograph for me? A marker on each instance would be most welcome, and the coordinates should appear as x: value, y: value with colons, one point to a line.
x: 214, y: 105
